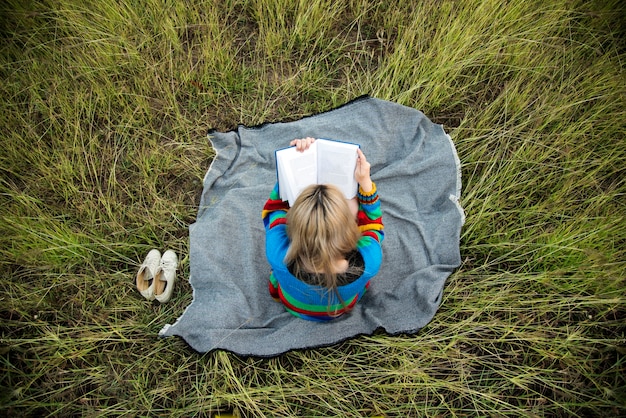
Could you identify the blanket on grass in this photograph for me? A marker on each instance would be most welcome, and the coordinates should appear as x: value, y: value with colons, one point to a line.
x: 417, y: 172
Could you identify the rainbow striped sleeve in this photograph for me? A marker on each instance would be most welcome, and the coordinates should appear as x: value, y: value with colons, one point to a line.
x: 273, y: 287
x: 370, y: 216
x: 275, y: 210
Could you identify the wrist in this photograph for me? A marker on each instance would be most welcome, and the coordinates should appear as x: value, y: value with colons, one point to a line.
x: 366, y: 186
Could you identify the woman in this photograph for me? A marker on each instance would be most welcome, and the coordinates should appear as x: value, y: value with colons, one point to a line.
x: 323, y: 256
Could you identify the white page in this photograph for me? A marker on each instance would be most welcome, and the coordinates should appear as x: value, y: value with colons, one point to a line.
x: 336, y: 165
x: 296, y: 170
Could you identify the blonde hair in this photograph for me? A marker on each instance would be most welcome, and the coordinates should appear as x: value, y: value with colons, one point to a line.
x: 321, y: 229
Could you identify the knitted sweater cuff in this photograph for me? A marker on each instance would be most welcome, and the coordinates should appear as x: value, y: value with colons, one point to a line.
x: 370, y: 193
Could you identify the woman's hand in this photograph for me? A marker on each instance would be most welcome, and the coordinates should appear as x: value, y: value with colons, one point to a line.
x: 362, y: 172
x: 302, y: 144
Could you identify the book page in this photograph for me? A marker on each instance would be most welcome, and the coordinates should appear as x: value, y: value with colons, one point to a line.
x: 336, y: 165
x: 296, y: 170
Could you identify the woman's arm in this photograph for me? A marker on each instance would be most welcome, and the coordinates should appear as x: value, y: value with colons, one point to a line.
x: 370, y: 216
x: 362, y: 172
x: 275, y: 210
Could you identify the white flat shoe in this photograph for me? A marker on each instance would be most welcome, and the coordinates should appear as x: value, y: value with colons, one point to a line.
x: 146, y: 274
x: 165, y: 276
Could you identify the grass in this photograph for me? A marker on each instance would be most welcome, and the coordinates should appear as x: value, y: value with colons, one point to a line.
x: 103, y: 126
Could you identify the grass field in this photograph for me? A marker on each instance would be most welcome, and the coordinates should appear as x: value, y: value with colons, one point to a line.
x: 103, y: 124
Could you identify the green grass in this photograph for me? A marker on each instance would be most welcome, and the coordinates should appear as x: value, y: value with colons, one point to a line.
x: 103, y: 149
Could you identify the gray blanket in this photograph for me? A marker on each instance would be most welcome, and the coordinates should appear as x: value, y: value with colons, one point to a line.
x: 416, y: 169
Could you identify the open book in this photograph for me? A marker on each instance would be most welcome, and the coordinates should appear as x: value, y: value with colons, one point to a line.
x: 325, y: 162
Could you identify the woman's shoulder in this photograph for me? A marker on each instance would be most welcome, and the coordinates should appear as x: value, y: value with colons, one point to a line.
x: 371, y: 251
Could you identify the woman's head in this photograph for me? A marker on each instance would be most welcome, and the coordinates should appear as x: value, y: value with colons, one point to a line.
x: 322, y: 229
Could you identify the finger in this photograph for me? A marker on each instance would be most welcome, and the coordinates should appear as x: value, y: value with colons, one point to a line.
x: 302, y: 144
x: 294, y: 142
x: 361, y: 156
x: 306, y: 143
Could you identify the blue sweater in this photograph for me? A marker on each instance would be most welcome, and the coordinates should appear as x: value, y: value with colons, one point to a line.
x: 314, y: 302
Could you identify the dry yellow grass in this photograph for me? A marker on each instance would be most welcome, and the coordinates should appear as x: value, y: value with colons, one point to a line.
x: 103, y: 148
